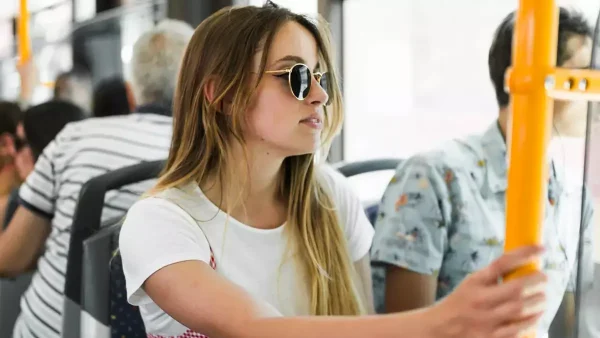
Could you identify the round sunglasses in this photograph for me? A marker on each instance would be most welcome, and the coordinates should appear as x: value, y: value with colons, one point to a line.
x: 300, y: 80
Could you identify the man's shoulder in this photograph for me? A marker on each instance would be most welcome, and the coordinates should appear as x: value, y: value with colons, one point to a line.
x: 124, y: 126
x: 113, y: 141
x: 129, y: 119
x: 452, y: 155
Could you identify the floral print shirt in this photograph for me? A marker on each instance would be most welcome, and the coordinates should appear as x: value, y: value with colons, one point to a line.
x: 443, y: 214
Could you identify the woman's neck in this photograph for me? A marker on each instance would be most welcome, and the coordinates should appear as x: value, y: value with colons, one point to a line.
x: 254, y: 197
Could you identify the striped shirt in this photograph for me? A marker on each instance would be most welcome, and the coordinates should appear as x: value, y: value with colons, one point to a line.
x: 81, y: 151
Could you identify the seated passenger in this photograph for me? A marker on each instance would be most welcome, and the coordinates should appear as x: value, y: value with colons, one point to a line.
x: 75, y: 86
x: 442, y: 216
x: 81, y: 151
x: 111, y: 97
x: 244, y: 226
x: 10, y: 115
x: 40, y: 125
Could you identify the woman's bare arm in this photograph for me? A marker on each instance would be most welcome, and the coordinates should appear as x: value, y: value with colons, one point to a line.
x: 195, y: 295
x: 198, y: 297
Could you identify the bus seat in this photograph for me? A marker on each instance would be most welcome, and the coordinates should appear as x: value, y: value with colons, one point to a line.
x: 362, y: 167
x: 106, y: 312
x: 126, y: 320
x: 350, y: 169
x: 86, y: 222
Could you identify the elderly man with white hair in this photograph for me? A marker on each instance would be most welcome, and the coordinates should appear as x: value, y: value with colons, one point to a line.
x: 39, y: 232
x: 155, y: 62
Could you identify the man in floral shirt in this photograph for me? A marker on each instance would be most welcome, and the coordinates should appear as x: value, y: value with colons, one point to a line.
x: 443, y: 214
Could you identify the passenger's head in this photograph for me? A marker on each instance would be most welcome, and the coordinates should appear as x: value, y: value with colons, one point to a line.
x: 234, y: 104
x: 111, y: 97
x: 40, y: 126
x: 155, y: 61
x: 10, y: 115
x: 574, y: 51
x: 75, y: 86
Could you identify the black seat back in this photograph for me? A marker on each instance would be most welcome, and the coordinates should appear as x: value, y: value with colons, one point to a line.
x: 86, y: 221
x: 350, y: 169
x: 107, y: 312
x: 125, y: 319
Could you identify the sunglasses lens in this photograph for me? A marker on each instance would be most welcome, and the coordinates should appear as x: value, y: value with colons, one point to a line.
x: 300, y: 81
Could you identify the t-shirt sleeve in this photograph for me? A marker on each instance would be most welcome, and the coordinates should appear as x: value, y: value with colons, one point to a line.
x: 411, y: 229
x: 357, y: 228
x: 40, y: 190
x: 157, y: 233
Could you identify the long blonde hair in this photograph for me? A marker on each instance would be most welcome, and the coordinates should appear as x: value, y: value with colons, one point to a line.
x: 223, y: 46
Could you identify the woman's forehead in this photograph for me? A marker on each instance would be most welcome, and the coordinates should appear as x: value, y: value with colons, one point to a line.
x: 293, y: 43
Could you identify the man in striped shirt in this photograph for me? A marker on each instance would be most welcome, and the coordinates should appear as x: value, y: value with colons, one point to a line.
x: 40, y: 230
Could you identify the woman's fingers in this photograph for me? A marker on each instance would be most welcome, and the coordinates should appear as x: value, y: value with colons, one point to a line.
x: 509, y: 262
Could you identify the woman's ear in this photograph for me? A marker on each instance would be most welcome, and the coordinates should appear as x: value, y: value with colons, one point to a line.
x: 210, y: 93
x: 210, y: 89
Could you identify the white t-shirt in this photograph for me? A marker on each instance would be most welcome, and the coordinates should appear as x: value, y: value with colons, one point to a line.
x: 181, y: 224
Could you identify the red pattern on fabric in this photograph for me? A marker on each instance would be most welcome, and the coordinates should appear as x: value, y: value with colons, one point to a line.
x: 213, y: 263
x: 186, y: 334
x: 190, y: 333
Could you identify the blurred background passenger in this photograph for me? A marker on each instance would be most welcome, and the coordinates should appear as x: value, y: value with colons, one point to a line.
x: 39, y: 126
x: 75, y: 86
x: 80, y: 152
x: 112, y: 97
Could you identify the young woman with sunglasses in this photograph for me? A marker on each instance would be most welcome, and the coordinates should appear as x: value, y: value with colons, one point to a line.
x: 245, y: 235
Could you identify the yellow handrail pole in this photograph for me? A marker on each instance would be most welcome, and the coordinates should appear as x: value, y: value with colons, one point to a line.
x: 534, y: 57
x: 24, y: 46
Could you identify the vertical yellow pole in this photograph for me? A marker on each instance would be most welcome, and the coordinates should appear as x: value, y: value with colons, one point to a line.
x: 534, y: 56
x: 23, y: 33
